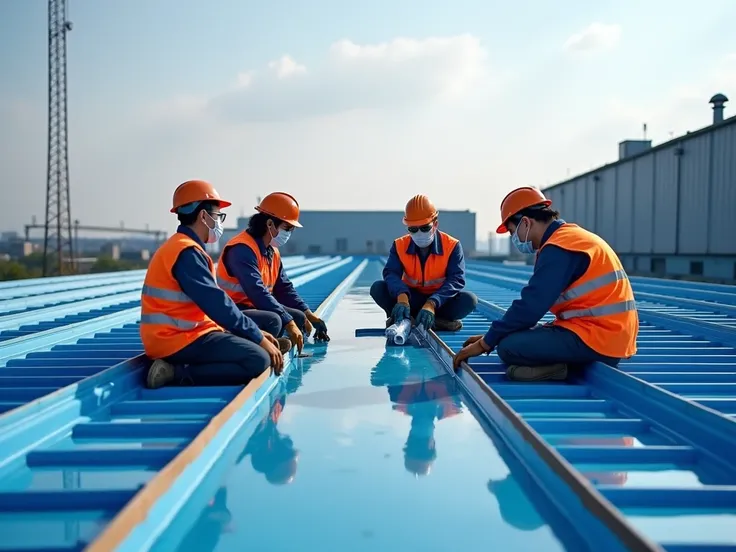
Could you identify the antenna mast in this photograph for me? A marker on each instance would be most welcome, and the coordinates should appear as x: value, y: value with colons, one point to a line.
x: 58, y: 246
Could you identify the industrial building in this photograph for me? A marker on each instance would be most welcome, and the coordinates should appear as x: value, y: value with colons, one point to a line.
x: 361, y: 232
x: 666, y: 210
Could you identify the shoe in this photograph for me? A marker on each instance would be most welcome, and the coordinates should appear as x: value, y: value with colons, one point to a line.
x: 284, y: 345
x: 160, y: 373
x: 553, y: 372
x: 442, y: 325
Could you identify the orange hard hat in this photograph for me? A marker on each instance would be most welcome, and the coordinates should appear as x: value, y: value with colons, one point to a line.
x: 193, y: 191
x: 419, y: 211
x: 282, y: 206
x: 518, y: 200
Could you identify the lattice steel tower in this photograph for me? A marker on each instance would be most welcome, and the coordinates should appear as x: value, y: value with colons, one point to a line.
x: 58, y: 249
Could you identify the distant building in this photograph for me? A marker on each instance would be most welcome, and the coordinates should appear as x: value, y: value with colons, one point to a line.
x: 360, y: 232
x: 667, y: 209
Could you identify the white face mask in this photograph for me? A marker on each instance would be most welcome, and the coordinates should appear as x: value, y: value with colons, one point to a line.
x: 214, y: 234
x: 280, y: 239
x: 423, y: 239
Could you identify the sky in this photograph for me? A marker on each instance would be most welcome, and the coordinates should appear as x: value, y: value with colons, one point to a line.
x: 347, y: 104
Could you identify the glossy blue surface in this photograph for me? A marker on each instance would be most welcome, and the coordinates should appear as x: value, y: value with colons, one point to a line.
x: 69, y: 462
x: 679, y: 455
x: 371, y: 446
x: 375, y: 449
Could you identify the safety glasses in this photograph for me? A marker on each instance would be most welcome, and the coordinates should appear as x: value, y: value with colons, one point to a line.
x: 415, y: 229
x: 218, y: 216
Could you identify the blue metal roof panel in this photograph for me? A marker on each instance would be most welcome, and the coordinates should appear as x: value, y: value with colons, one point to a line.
x: 643, y: 450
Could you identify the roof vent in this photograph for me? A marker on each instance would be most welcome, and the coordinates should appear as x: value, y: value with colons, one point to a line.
x: 718, y: 102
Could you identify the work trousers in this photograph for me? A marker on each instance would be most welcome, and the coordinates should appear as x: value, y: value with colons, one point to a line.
x: 456, y: 308
x: 546, y: 345
x: 270, y: 322
x: 219, y: 358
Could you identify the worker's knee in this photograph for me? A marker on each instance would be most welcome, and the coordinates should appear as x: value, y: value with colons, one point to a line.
x: 507, y: 349
x: 379, y: 291
x: 466, y: 303
x: 270, y: 322
x: 259, y: 362
x: 299, y: 318
x: 459, y: 306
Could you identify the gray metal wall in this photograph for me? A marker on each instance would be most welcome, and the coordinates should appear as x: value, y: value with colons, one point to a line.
x: 678, y: 199
x: 325, y: 232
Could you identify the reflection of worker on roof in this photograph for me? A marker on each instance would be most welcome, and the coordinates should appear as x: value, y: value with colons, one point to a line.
x: 425, y: 399
x: 424, y: 277
x: 514, y: 505
x: 212, y: 523
x: 271, y: 452
x: 577, y: 277
x: 189, y: 327
x: 252, y: 274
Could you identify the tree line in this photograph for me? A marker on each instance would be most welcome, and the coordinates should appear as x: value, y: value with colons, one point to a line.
x: 31, y: 266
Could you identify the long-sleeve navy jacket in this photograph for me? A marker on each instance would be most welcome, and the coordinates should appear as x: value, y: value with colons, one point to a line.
x: 454, y: 276
x: 554, y: 271
x: 241, y: 262
x: 193, y: 273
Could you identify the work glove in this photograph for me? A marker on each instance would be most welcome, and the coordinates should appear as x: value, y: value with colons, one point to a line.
x: 401, y: 309
x: 320, y: 329
x: 426, y: 316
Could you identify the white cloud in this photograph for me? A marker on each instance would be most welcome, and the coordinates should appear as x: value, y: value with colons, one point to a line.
x: 286, y: 67
x: 595, y: 37
x: 401, y: 73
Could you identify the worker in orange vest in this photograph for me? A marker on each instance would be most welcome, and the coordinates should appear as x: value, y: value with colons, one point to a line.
x: 424, y: 276
x: 578, y: 278
x: 251, y: 273
x: 190, y: 327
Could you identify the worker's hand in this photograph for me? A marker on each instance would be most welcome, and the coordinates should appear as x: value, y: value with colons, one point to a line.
x: 472, y: 339
x: 307, y: 327
x: 271, y: 346
x: 318, y: 324
x: 478, y: 347
x: 320, y: 333
x: 426, y: 316
x: 401, y: 309
x: 295, y: 336
x: 271, y: 338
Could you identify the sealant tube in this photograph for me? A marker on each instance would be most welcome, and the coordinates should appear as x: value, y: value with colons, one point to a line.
x: 403, y: 329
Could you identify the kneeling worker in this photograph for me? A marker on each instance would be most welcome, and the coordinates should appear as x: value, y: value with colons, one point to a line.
x: 251, y: 273
x: 189, y: 327
x: 424, y: 276
x: 577, y: 277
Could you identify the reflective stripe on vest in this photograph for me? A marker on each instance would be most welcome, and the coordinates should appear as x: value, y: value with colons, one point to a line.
x: 604, y: 310
x: 592, y: 285
x: 589, y: 287
x: 430, y: 278
x: 170, y: 320
x: 269, y: 271
x: 229, y: 286
x: 603, y: 293
x: 165, y: 294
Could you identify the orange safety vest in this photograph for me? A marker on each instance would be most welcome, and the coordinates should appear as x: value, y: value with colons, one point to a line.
x: 429, y: 279
x: 170, y: 320
x: 269, y: 271
x: 599, y: 306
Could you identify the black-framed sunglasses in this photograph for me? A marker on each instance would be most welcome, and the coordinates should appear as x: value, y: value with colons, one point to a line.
x: 216, y: 216
x: 425, y: 228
